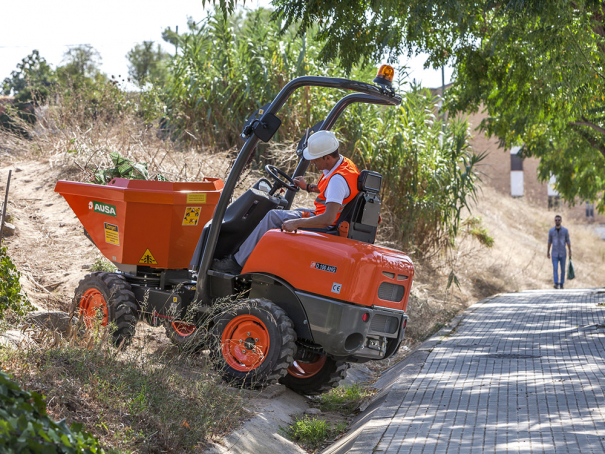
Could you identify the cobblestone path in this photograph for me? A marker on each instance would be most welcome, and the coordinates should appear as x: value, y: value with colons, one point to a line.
x: 524, y: 372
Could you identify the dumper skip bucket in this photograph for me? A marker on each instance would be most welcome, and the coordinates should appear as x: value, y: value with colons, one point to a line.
x: 150, y: 223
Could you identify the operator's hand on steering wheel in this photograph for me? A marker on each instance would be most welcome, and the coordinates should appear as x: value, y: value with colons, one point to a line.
x: 290, y: 225
x: 300, y: 182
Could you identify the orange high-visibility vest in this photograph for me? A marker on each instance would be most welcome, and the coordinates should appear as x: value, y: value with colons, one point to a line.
x: 350, y: 173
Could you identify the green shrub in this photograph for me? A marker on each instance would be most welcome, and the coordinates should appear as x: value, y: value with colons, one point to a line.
x: 26, y: 428
x: 12, y: 298
x: 474, y: 227
x: 429, y: 169
x: 226, y: 68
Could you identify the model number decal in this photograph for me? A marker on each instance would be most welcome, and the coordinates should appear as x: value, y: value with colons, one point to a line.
x: 323, y: 267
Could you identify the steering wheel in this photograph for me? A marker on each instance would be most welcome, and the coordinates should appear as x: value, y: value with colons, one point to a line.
x: 275, y: 173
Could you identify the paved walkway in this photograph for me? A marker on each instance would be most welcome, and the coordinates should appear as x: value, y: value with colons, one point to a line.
x: 523, y: 372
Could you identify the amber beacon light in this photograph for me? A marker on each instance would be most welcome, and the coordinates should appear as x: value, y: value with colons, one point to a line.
x: 385, y: 76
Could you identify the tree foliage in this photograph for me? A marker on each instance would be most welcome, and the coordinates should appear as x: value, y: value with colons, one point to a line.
x: 81, y: 61
x: 31, y: 81
x: 537, y: 66
x: 147, y: 64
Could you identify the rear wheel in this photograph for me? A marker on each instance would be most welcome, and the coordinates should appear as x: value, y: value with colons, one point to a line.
x: 254, y: 343
x: 315, y: 376
x: 103, y: 298
x: 186, y: 336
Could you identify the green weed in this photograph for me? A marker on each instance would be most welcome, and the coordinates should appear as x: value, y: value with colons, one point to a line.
x: 102, y: 264
x: 343, y: 399
x: 312, y: 433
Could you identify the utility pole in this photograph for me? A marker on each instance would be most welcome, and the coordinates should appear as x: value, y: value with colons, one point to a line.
x: 176, y: 41
x: 443, y: 97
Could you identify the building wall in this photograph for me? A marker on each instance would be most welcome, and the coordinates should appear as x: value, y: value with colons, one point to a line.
x: 496, y: 172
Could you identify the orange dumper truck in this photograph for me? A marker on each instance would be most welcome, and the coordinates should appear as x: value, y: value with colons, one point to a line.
x: 306, y: 303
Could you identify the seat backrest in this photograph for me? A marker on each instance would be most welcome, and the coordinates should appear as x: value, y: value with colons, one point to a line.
x: 363, y: 212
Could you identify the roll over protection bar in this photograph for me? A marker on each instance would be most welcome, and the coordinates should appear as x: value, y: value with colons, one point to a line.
x: 367, y: 93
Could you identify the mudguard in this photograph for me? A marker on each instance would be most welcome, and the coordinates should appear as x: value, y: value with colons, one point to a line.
x: 335, y: 267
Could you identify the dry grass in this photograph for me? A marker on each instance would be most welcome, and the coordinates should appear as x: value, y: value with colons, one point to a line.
x: 159, y: 401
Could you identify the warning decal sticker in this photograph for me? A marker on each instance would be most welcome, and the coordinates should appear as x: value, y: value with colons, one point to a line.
x: 196, y: 198
x: 111, y: 234
x: 148, y: 258
x: 192, y: 215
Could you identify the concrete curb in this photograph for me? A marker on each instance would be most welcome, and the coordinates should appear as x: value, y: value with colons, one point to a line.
x: 369, y: 426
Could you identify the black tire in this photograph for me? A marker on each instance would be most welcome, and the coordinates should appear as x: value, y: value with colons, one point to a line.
x: 237, y: 330
x: 328, y: 377
x: 186, y: 341
x: 121, y: 307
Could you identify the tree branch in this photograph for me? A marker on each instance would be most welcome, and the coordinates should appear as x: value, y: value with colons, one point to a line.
x: 593, y: 143
x: 590, y: 124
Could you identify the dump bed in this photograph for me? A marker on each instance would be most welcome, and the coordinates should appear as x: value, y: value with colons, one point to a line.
x: 137, y: 222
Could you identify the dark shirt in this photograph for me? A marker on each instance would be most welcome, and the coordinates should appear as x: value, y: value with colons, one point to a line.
x: 558, y: 238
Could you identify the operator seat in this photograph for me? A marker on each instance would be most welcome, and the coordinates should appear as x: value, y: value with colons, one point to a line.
x: 241, y: 217
x: 360, y: 217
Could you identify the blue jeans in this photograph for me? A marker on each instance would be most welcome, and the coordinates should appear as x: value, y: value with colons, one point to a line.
x: 272, y: 220
x: 555, y: 266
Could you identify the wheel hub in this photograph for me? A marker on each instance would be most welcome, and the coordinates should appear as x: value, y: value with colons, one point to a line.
x: 93, y: 306
x: 250, y: 344
x: 245, y: 343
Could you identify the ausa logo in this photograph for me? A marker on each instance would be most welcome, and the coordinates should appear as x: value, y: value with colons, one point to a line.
x: 103, y: 208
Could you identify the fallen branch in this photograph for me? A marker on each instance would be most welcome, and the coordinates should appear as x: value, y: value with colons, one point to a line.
x: 33, y: 281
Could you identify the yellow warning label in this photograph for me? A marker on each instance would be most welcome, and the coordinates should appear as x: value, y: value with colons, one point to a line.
x: 192, y: 215
x: 111, y: 234
x: 196, y: 198
x: 148, y: 258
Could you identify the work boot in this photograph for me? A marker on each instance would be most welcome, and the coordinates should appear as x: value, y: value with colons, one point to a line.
x: 556, y: 285
x: 227, y: 265
x: 561, y: 286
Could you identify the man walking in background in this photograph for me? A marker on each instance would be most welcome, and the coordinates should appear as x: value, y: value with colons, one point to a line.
x: 558, y: 237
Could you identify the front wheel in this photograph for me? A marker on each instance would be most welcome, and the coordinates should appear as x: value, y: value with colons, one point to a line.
x: 103, y: 298
x: 315, y: 376
x: 254, y: 343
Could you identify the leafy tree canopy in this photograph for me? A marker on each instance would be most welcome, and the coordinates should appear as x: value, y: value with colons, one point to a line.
x: 536, y: 66
x: 81, y: 67
x: 147, y: 64
x: 31, y: 81
x: 82, y: 61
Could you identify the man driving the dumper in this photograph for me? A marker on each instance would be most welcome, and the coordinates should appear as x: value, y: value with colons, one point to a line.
x: 336, y: 187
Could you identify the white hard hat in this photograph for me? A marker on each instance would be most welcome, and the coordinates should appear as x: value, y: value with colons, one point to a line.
x: 320, y: 144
